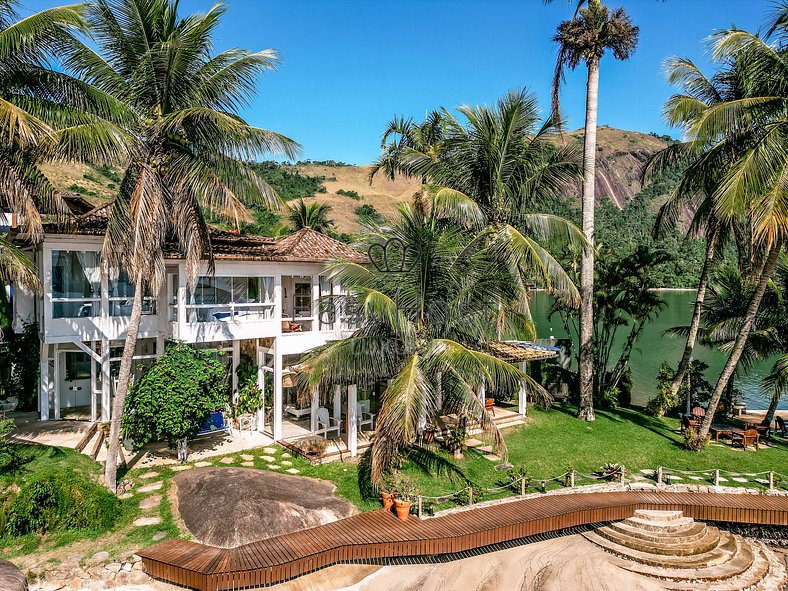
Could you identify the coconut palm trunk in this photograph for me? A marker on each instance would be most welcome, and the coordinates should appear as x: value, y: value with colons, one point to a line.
x: 124, y: 377
x: 586, y: 361
x: 741, y: 340
x: 711, y: 245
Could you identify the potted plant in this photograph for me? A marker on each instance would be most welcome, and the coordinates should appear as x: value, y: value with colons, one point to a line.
x: 407, y: 492
x: 388, y: 491
x: 313, y: 448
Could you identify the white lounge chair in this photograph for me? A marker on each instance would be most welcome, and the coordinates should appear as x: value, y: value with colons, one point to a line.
x: 364, y: 417
x: 326, y: 423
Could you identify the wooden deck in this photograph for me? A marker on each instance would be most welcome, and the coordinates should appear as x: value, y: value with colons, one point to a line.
x: 379, y: 537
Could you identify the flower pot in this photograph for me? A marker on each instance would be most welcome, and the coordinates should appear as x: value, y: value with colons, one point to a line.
x: 388, y: 500
x: 403, y: 509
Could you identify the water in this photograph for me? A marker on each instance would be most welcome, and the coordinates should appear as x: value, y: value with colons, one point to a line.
x: 652, y: 348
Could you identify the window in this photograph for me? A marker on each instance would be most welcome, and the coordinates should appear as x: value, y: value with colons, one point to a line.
x: 302, y: 300
x: 121, y: 296
x: 76, y: 284
x: 218, y: 299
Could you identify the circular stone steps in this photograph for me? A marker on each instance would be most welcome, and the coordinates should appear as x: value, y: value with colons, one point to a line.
x: 669, y: 546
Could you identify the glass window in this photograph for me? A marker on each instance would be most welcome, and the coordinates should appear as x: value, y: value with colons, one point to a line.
x: 76, y: 284
x: 222, y: 298
x: 121, y: 295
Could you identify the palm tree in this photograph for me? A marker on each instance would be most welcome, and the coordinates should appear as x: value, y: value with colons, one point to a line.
x: 701, y: 175
x: 585, y: 38
x: 187, y: 147
x: 755, y: 185
x: 313, y: 215
x: 497, y: 164
x: 431, y: 319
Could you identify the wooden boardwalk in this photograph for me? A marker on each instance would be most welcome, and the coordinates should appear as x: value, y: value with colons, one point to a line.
x: 378, y: 536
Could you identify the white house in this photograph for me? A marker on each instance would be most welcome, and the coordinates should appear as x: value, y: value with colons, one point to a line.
x: 268, y: 298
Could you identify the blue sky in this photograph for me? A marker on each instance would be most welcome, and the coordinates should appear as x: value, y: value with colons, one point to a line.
x: 349, y: 65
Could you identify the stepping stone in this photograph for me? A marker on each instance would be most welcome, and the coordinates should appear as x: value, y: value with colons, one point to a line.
x: 696, y: 478
x: 287, y: 463
x: 485, y: 448
x: 722, y: 479
x: 270, y: 450
x: 151, y: 487
x: 492, y: 457
x: 473, y: 442
x: 147, y: 521
x: 181, y: 468
x: 148, y: 475
x: 293, y: 470
x: 274, y: 466
x: 642, y: 486
x: 203, y: 464
x: 159, y: 535
x: 638, y: 477
x: 247, y: 457
x: 248, y: 464
x: 648, y: 472
x: 738, y: 479
x: 672, y: 478
x: 150, y: 502
x: 227, y: 460
x: 286, y: 455
x: 761, y: 481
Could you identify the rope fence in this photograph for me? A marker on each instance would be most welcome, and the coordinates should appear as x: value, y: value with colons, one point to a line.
x: 521, y: 485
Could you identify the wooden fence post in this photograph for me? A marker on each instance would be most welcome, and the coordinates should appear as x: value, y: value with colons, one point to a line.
x: 716, y: 477
x: 522, y: 486
x: 572, y: 479
x: 621, y: 476
x: 659, y: 475
x: 419, y: 506
x: 470, y: 496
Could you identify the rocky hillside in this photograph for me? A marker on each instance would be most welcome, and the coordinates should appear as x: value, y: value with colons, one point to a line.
x: 621, y: 156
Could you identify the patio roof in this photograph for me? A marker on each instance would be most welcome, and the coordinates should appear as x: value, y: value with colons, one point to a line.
x: 522, y: 351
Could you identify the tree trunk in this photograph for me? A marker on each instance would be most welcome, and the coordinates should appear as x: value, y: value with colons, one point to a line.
x: 741, y: 340
x: 711, y: 245
x: 124, y: 377
x: 586, y: 365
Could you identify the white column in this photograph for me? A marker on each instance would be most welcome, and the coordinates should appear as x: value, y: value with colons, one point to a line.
x: 352, y: 420
x: 182, y: 320
x: 482, y: 394
x: 57, y: 382
x: 439, y: 397
x: 260, y: 384
x: 523, y: 395
x: 315, y: 302
x: 43, y: 382
x: 236, y: 361
x: 338, y: 403
x: 278, y: 301
x: 278, y: 391
x: 93, y: 410
x: 106, y: 385
x: 313, y: 409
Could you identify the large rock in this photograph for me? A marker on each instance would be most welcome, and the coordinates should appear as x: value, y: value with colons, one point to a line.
x: 11, y: 578
x: 228, y: 507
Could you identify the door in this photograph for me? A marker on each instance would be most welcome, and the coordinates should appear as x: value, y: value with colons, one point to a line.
x: 75, y: 385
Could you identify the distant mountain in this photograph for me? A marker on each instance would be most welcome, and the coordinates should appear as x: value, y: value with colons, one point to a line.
x: 621, y: 156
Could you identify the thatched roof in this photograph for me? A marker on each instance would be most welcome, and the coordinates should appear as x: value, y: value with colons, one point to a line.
x: 521, y: 351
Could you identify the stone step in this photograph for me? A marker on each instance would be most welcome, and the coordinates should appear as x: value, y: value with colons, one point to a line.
x: 660, y: 516
x: 747, y: 579
x: 709, y: 540
x: 693, y: 532
x: 740, y: 558
x: 720, y: 554
x: 674, y: 525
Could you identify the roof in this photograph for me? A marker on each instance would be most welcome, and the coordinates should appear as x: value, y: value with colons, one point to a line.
x: 521, y: 351
x: 304, y: 246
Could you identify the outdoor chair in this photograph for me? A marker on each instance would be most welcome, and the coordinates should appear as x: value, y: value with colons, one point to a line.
x: 688, y: 422
x: 780, y: 426
x: 749, y: 437
x: 364, y: 416
x: 698, y: 413
x: 326, y: 423
x: 217, y: 422
x: 8, y: 405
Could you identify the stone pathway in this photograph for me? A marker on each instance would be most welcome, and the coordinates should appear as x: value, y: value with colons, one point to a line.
x: 268, y: 458
x: 149, y: 475
x: 147, y: 521
x: 227, y: 460
x: 151, y: 487
x: 150, y: 502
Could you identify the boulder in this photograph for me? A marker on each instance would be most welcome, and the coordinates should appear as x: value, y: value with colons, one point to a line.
x: 11, y: 578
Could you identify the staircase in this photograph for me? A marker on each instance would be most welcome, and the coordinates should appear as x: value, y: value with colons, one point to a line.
x: 688, y: 554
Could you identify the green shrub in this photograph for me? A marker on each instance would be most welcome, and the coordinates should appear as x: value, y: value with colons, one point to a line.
x: 662, y: 402
x: 352, y: 194
x: 20, y: 379
x: 693, y: 441
x: 58, y: 499
x: 9, y: 454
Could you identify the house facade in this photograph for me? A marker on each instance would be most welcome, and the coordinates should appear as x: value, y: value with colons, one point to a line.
x: 267, y: 300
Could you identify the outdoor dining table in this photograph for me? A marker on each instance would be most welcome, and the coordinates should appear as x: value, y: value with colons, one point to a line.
x: 722, y: 429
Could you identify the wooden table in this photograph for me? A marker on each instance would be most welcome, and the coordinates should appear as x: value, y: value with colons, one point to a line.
x: 722, y: 429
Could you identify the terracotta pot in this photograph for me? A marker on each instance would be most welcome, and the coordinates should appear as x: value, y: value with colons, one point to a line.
x: 403, y: 509
x: 388, y: 500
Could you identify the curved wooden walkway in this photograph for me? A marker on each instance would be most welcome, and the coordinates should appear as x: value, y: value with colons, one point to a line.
x: 378, y: 535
